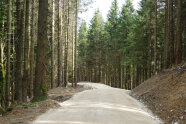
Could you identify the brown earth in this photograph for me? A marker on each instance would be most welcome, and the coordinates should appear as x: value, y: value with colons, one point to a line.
x: 165, y: 95
x: 27, y: 112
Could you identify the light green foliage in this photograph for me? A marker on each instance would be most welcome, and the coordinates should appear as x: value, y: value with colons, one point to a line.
x: 95, y: 35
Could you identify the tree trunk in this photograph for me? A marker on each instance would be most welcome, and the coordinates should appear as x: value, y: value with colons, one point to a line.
x: 178, y: 33
x: 184, y: 32
x: 171, y: 32
x: 7, y: 86
x: 33, y: 41
x: 166, y: 39
x: 66, y: 47
x: 26, y: 75
x: 75, y: 51
x: 72, y: 54
x: 60, y: 44
x: 2, y: 66
x: 155, y: 37
x: 52, y: 44
x: 19, y: 52
x: 14, y: 57
x: 41, y: 59
x: 149, y: 51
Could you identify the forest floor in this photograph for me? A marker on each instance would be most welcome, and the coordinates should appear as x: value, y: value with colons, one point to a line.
x: 27, y: 112
x: 165, y: 95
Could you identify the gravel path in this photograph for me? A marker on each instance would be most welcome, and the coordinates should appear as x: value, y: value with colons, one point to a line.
x: 101, y: 105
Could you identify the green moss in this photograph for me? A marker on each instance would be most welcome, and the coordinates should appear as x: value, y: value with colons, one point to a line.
x: 43, y: 89
x: 41, y: 93
x: 2, y: 84
x: 38, y: 99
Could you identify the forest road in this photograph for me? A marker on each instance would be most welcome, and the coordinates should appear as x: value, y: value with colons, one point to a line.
x: 101, y: 105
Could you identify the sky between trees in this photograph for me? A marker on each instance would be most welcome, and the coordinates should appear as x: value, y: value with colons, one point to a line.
x: 103, y: 6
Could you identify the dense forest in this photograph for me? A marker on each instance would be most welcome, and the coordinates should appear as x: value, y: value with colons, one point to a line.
x: 38, y: 46
x: 41, y: 46
x: 131, y: 46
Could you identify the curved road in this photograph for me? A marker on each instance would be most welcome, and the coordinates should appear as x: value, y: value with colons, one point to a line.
x: 102, y: 105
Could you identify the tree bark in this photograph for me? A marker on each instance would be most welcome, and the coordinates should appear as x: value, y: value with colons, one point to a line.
x: 60, y: 44
x: 178, y: 34
x: 7, y: 86
x: 149, y: 51
x: 72, y: 54
x: 33, y: 41
x: 75, y: 51
x: 155, y: 37
x: 184, y: 32
x: 2, y: 66
x: 166, y: 39
x: 41, y: 59
x: 26, y: 75
x: 66, y: 47
x: 52, y: 44
x: 171, y: 32
x: 19, y: 52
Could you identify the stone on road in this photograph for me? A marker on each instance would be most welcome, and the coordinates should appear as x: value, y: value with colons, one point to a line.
x: 101, y: 105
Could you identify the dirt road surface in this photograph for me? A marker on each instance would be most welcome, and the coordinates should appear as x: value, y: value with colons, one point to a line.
x: 101, y: 105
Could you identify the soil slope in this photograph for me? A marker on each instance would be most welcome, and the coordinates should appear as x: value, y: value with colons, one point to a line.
x: 165, y: 95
